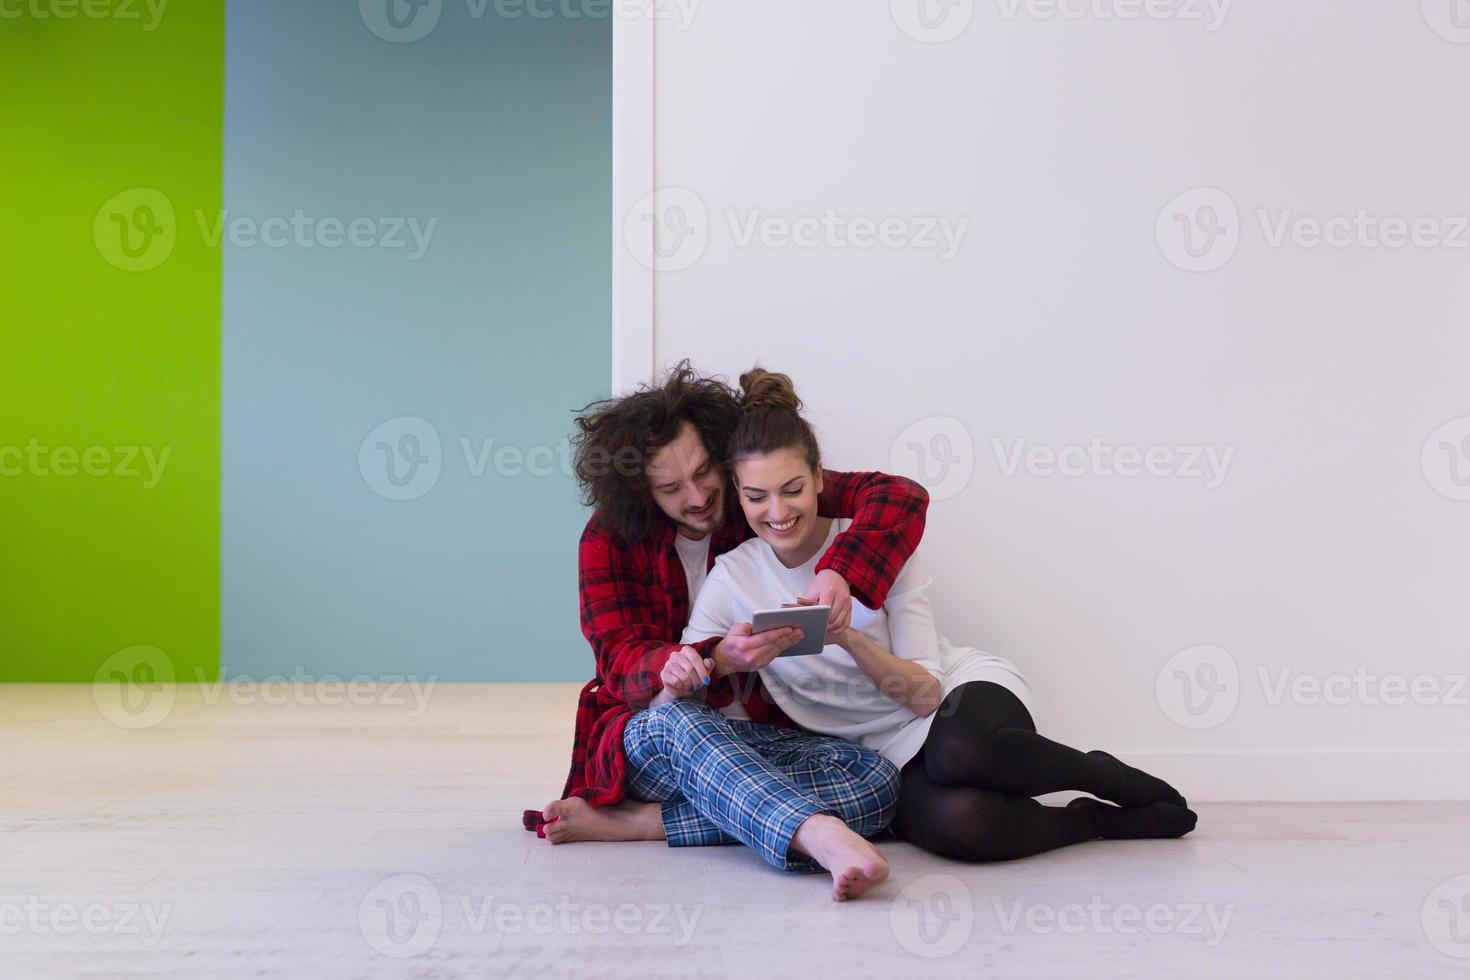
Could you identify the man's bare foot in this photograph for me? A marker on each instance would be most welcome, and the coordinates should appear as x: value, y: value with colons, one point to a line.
x: 574, y: 819
x: 855, y: 864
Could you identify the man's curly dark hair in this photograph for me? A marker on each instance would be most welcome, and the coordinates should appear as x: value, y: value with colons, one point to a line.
x: 619, y: 435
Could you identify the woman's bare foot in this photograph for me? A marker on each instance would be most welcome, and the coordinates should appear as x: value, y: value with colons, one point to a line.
x: 855, y: 864
x: 574, y: 819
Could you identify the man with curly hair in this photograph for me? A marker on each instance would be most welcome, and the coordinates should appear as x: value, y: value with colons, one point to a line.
x: 730, y: 767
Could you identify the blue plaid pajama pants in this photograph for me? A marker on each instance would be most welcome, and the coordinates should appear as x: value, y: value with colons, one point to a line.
x: 723, y: 781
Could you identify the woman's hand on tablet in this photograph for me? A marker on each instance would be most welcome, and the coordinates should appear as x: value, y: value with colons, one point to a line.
x: 830, y: 589
x: 743, y: 651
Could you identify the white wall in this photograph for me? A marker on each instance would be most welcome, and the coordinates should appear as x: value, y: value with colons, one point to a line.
x: 1327, y: 547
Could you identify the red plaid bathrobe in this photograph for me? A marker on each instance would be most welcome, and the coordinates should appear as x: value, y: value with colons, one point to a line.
x: 635, y: 605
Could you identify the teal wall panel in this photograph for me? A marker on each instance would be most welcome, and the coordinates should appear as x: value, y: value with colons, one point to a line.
x: 416, y: 244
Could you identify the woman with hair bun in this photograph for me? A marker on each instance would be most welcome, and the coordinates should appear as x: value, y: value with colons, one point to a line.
x: 955, y: 721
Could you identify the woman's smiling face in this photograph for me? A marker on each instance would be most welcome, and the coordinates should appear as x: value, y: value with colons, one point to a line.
x: 778, y: 492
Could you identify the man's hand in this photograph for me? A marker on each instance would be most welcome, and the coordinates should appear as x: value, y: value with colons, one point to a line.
x: 830, y: 589
x: 742, y: 651
x: 685, y: 672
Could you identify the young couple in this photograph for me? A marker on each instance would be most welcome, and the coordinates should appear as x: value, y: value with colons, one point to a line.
x: 717, y: 500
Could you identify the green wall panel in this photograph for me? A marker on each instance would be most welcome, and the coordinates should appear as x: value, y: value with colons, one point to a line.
x: 111, y: 128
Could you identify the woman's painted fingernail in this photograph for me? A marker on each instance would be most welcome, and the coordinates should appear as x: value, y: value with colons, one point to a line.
x: 706, y: 682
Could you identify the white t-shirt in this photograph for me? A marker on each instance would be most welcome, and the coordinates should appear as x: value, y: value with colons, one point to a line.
x: 829, y: 692
x: 694, y: 556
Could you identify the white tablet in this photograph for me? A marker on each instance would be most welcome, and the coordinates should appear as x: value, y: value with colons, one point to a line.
x: 811, y: 619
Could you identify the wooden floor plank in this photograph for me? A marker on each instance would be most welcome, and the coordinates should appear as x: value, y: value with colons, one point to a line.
x: 353, y: 840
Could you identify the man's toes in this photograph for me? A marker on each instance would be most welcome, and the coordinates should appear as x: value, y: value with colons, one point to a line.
x: 851, y: 883
x: 558, y: 834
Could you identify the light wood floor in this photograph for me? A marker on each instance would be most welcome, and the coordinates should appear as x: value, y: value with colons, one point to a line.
x: 366, y: 840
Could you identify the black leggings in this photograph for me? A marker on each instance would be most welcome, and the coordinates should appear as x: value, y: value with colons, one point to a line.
x: 967, y: 794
